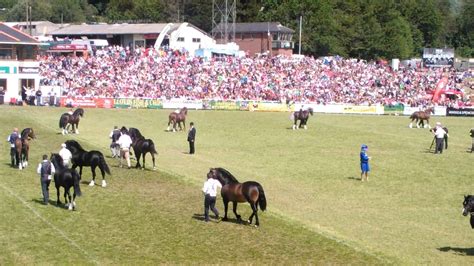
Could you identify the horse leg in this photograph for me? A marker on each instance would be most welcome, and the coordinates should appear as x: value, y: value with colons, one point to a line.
x: 294, y: 124
x: 253, y: 205
x: 138, y: 155
x: 304, y: 125
x: 226, y: 205
x: 58, y: 201
x: 77, y: 128
x: 174, y: 125
x: 428, y: 123
x: 93, y: 175
x: 102, y: 171
x: 234, y: 205
x: 153, y: 159
x: 144, y: 160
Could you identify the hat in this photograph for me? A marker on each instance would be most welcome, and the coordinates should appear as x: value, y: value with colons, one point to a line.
x: 63, y: 145
x: 364, y: 147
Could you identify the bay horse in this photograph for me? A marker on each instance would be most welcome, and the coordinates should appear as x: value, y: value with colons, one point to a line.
x: 177, y: 119
x: 141, y: 146
x: 301, y: 115
x: 420, y: 116
x: 468, y: 208
x: 250, y: 191
x: 81, y: 157
x: 26, y: 135
x: 66, y: 178
x: 73, y: 119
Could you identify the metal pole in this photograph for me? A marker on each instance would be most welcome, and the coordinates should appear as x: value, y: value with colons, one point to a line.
x: 30, y: 19
x: 27, y: 26
x: 299, y: 46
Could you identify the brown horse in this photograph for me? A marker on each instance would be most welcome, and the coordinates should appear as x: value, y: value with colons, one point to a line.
x: 178, y: 118
x: 303, y: 116
x: 71, y: 119
x: 22, y: 147
x: 250, y: 191
x: 420, y: 116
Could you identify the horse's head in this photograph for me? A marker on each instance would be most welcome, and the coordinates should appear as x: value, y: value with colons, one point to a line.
x: 28, y: 133
x: 468, y: 205
x: 73, y: 146
x: 184, y: 110
x: 310, y: 110
x: 124, y: 130
x: 57, y: 160
x: 135, y: 133
x: 78, y: 112
x: 224, y: 176
x: 430, y: 111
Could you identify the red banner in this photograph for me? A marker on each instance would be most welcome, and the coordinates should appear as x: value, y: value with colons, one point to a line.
x: 439, y: 88
x: 88, y: 102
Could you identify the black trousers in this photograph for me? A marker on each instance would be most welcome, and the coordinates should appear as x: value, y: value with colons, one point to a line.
x: 15, y: 161
x: 439, y: 145
x: 191, y: 147
x: 45, y: 190
x: 210, y: 203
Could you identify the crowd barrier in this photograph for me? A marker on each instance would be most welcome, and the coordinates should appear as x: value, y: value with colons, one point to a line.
x: 254, y: 106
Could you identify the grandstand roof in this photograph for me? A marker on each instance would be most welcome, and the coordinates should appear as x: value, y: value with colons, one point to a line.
x: 257, y: 27
x: 117, y: 29
x: 9, y: 35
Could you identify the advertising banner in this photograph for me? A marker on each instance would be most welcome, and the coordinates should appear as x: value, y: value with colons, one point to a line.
x: 88, y: 102
x: 460, y: 111
x: 268, y: 107
x: 438, y: 110
x: 222, y: 105
x: 356, y: 109
x: 138, y: 103
x: 393, y: 109
x: 178, y: 103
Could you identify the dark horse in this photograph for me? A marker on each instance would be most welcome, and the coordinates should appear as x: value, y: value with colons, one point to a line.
x: 71, y: 119
x: 66, y: 178
x: 178, y: 118
x: 420, y: 116
x: 303, y: 116
x: 250, y: 191
x: 468, y: 208
x: 141, y: 146
x: 81, y: 157
x: 22, y: 147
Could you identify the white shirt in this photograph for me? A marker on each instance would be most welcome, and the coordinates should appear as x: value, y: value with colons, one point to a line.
x: 439, y: 133
x: 124, y: 141
x: 210, y: 187
x: 53, y: 170
x: 65, y: 154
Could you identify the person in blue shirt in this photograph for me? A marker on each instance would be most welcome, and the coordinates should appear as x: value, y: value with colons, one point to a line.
x: 12, y: 138
x: 364, y: 163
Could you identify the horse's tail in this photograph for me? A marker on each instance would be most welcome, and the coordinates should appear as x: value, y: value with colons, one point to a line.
x: 103, y: 164
x: 262, y: 201
x: 63, y: 121
x: 77, y: 187
x: 152, y: 147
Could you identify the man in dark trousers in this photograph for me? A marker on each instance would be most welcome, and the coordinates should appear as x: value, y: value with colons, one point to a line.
x: 45, y: 170
x: 191, y: 137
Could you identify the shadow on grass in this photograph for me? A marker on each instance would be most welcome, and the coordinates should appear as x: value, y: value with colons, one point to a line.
x: 354, y: 178
x: 459, y: 251
x: 200, y: 217
x: 50, y: 202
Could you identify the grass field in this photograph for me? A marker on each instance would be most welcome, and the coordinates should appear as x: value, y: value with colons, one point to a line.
x: 318, y: 211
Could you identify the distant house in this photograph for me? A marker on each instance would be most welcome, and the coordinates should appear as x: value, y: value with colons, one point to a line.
x: 38, y: 28
x: 19, y: 68
x: 174, y: 35
x: 261, y: 37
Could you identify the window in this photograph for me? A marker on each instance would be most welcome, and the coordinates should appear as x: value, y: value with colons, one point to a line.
x: 6, y: 53
x: 197, y: 40
x: 26, y: 52
x: 180, y: 39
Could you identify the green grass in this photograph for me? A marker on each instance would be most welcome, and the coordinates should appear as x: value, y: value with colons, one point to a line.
x: 318, y: 211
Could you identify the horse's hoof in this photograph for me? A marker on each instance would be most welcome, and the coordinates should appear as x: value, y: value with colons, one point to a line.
x: 225, y: 219
x: 70, y: 207
x: 92, y: 183
x: 104, y: 184
x: 154, y: 168
x: 249, y: 222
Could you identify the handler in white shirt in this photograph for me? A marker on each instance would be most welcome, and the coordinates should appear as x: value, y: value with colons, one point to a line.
x: 66, y: 155
x: 125, y: 142
x: 439, y: 134
x: 210, y: 193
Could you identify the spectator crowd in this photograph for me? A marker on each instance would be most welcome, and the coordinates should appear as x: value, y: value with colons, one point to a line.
x: 121, y: 72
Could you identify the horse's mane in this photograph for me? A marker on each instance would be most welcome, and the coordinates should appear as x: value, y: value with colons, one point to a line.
x: 25, y: 132
x: 227, y: 175
x: 75, y: 144
x: 79, y: 111
x: 136, y: 133
x: 56, y: 158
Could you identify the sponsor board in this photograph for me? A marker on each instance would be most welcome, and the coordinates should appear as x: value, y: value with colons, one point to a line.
x: 176, y: 103
x: 138, y: 103
x: 223, y: 105
x: 268, y: 107
x: 460, y: 111
x: 340, y: 109
x: 88, y: 102
x: 438, y: 110
x: 360, y: 109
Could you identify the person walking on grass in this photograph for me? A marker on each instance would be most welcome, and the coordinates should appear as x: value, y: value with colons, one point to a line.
x: 210, y: 194
x: 11, y: 139
x: 364, y: 163
x: 191, y: 137
x: 45, y: 170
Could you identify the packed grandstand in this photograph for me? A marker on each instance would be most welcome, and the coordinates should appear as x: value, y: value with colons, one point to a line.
x: 158, y: 74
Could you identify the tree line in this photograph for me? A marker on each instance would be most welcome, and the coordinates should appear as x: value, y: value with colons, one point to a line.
x: 368, y: 29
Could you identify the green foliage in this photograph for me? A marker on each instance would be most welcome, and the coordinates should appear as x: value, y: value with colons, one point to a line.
x: 146, y: 10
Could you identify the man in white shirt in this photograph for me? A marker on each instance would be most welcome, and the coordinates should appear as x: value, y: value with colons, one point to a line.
x: 210, y: 194
x: 66, y: 155
x: 125, y: 142
x: 45, y: 170
x: 439, y: 133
